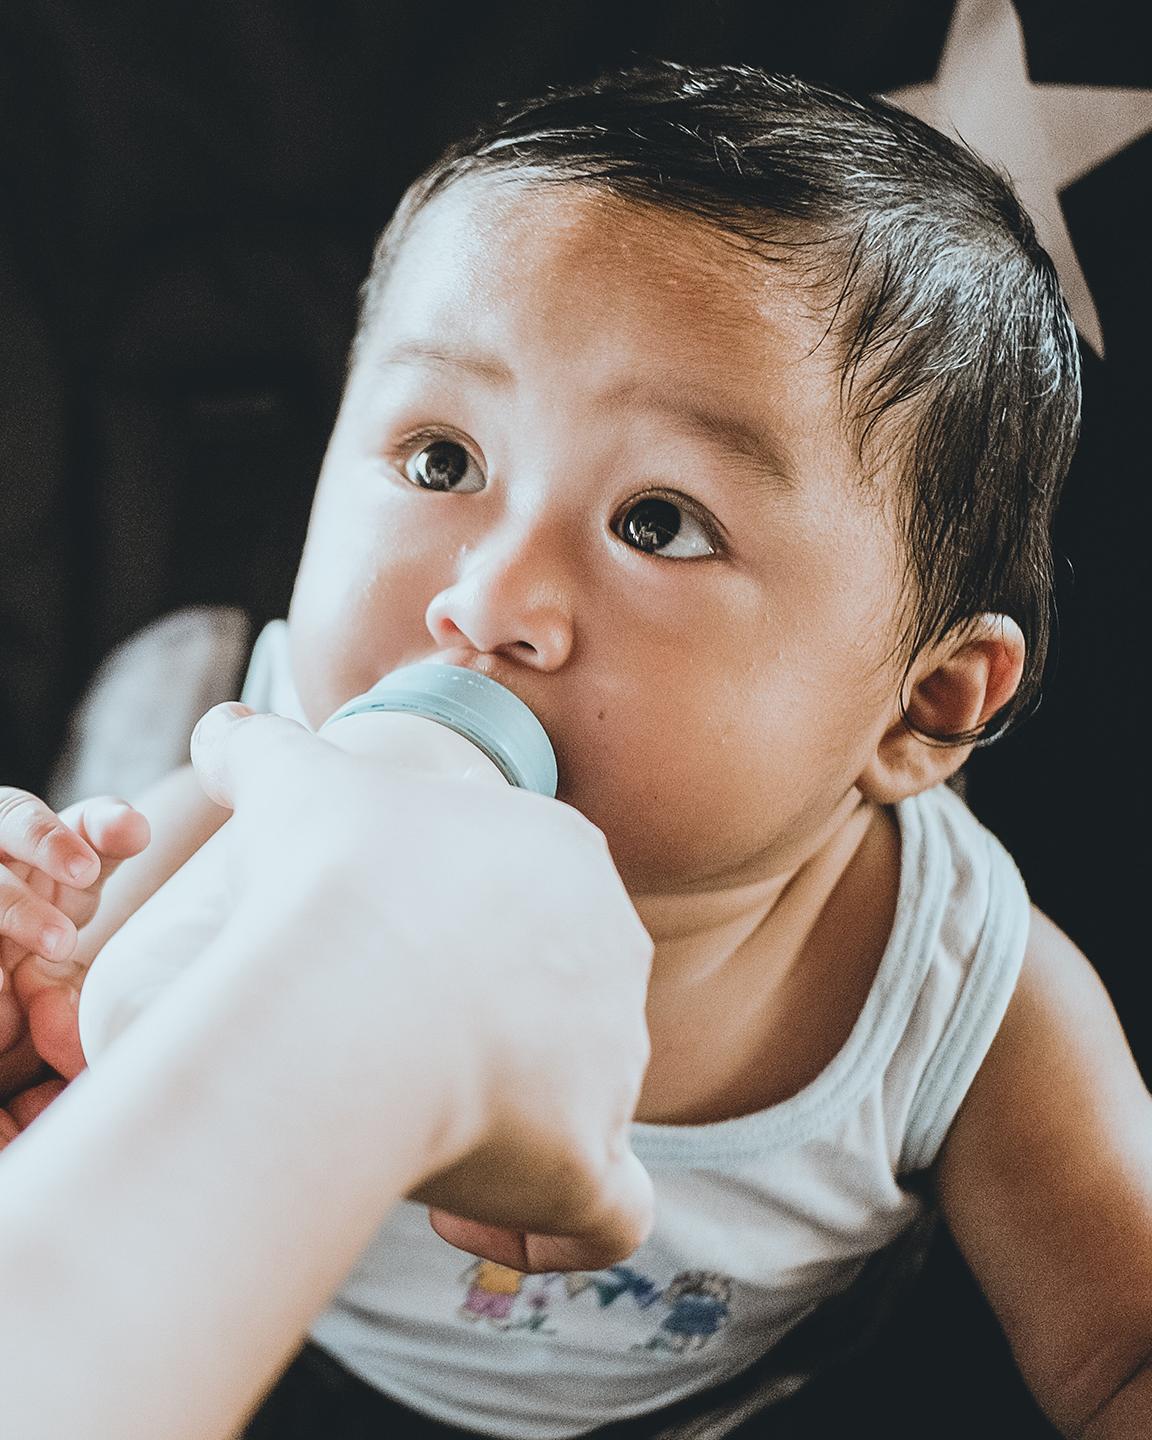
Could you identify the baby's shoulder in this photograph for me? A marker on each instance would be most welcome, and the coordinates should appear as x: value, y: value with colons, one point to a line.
x: 1061, y: 1001
x: 1060, y: 1062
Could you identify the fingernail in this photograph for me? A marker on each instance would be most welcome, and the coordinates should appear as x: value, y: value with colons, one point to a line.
x: 231, y: 708
x: 53, y: 941
x: 79, y: 867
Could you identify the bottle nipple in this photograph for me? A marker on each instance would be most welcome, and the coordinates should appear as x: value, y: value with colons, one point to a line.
x: 475, y: 706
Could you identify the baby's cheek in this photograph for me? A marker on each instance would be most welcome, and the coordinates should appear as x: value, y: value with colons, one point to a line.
x: 315, y: 672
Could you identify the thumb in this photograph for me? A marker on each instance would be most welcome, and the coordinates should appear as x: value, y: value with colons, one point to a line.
x: 233, y: 747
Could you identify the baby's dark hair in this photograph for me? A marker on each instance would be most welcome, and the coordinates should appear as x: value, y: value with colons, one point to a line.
x: 956, y: 352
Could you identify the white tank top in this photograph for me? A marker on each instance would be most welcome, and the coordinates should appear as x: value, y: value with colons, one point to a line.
x: 760, y: 1220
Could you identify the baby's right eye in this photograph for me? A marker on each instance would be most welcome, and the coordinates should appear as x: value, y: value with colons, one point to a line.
x: 444, y: 465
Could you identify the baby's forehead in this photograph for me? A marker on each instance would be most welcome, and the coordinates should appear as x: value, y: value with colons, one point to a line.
x: 572, y: 286
x: 571, y: 250
x: 578, y: 317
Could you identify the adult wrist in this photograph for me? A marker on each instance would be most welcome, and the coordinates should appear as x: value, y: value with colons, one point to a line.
x: 376, y: 981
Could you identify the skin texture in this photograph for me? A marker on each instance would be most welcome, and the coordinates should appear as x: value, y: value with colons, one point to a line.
x: 730, y: 713
x: 731, y: 718
x: 1045, y: 1180
x: 726, y: 709
x: 169, y: 1228
x: 771, y: 655
x: 39, y: 1042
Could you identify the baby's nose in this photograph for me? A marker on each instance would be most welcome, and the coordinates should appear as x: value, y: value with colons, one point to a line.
x: 505, y: 604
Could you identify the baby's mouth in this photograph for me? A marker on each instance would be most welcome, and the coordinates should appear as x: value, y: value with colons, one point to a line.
x: 495, y: 667
x: 512, y: 677
x: 465, y: 658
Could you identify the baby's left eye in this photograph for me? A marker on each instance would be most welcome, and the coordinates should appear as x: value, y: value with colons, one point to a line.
x: 658, y: 526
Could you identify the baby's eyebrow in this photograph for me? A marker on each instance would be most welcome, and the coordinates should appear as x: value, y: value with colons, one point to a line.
x: 415, y: 352
x: 686, y: 412
x: 713, y: 423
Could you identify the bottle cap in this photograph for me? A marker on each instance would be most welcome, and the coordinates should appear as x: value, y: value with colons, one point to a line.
x: 475, y: 706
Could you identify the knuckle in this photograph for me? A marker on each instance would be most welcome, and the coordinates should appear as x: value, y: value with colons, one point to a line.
x: 41, y: 830
x: 26, y: 816
x: 14, y: 909
x: 14, y: 804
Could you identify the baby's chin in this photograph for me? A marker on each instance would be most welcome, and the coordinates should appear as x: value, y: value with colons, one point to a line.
x: 650, y: 858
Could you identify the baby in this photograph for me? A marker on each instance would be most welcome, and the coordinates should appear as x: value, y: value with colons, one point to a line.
x: 722, y: 418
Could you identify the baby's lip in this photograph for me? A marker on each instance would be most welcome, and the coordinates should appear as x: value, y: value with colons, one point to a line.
x: 464, y: 659
x: 461, y: 655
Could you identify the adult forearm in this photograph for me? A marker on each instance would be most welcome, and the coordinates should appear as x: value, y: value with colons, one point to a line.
x: 145, y: 1219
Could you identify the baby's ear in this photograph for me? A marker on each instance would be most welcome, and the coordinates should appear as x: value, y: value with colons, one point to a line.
x: 956, y: 686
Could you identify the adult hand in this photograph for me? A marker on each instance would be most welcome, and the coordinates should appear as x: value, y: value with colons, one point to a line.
x: 513, y: 929
x: 423, y: 987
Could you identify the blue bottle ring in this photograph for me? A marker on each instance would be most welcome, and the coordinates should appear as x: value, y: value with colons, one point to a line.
x: 475, y: 706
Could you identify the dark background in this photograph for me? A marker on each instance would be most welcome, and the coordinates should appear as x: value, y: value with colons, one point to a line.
x: 188, y: 198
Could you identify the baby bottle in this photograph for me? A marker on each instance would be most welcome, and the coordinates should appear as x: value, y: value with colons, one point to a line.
x: 431, y: 718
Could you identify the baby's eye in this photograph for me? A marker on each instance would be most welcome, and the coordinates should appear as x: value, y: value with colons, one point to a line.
x: 444, y: 465
x: 661, y: 527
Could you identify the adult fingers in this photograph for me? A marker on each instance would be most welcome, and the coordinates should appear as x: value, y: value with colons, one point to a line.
x: 232, y: 745
x: 490, y: 1242
x: 621, y: 1225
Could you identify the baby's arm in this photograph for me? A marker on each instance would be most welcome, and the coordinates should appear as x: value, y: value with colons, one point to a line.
x: 1046, y: 1182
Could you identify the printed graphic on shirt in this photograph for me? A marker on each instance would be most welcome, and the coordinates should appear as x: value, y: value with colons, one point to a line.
x: 492, y: 1292
x: 619, y: 1280
x: 696, y: 1304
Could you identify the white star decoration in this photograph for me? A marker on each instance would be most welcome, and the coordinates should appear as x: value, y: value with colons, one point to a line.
x: 1044, y: 136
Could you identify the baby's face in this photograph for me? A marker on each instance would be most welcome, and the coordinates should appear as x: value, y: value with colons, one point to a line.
x: 593, y: 452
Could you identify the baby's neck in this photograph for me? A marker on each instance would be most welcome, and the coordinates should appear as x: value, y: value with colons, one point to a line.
x: 698, y: 930
x: 734, y: 968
